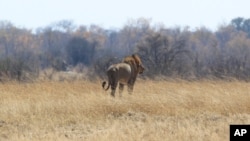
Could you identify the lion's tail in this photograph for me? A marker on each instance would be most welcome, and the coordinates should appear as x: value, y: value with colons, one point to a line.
x: 103, y: 85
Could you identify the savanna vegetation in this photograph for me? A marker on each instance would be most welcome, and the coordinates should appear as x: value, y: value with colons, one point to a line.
x: 181, y: 52
x: 157, y: 110
x: 195, y: 84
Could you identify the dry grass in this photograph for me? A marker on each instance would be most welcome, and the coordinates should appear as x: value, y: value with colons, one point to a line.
x: 162, y: 110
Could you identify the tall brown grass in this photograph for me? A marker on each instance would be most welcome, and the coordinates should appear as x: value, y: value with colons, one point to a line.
x: 157, y: 110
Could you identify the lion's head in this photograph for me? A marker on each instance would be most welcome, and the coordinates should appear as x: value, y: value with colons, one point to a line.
x: 135, y: 61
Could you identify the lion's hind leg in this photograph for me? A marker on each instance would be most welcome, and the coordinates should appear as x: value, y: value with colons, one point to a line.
x: 113, y: 81
x: 121, y: 87
x: 113, y: 88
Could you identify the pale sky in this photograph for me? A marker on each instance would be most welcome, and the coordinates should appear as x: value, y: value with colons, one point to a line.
x: 116, y: 13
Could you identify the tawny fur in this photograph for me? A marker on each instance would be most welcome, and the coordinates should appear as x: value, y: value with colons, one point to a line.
x: 124, y: 73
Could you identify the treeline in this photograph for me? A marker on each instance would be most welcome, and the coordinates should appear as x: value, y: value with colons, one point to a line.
x: 165, y: 52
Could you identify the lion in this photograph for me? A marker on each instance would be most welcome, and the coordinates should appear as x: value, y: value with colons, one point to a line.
x: 124, y: 73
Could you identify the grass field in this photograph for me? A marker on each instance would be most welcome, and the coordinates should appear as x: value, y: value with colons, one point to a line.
x: 157, y: 110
